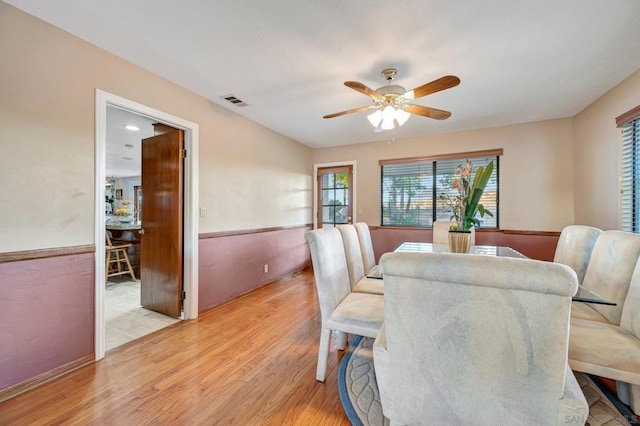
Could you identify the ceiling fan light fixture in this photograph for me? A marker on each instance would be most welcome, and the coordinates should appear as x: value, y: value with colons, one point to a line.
x: 388, y: 115
x: 375, y: 118
x: 387, y: 125
x: 386, y: 118
x: 402, y: 116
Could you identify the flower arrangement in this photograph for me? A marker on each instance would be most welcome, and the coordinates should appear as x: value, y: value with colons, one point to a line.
x: 466, y: 204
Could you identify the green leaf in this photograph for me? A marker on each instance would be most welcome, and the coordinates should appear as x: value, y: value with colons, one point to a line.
x: 480, y: 180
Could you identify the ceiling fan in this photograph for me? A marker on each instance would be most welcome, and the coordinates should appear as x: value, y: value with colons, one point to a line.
x: 392, y: 103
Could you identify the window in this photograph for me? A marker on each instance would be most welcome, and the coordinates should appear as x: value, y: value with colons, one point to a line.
x: 630, y: 170
x: 411, y: 188
x: 334, y: 196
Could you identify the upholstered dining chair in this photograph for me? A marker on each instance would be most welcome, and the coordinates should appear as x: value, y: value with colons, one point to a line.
x: 604, y: 339
x: 359, y: 282
x: 441, y: 232
x: 366, y: 247
x: 470, y: 339
x: 575, y: 246
x: 341, y: 310
x: 609, y: 350
x: 611, y: 265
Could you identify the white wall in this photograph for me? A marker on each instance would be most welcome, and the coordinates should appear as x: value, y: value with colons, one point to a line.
x: 597, y: 155
x: 536, y: 170
x: 249, y: 176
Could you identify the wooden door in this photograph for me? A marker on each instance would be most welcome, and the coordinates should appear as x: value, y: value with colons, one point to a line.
x: 161, y: 244
x: 335, y: 196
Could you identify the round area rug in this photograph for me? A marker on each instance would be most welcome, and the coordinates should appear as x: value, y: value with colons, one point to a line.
x: 361, y: 399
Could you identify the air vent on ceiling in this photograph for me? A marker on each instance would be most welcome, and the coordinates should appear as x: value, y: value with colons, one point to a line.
x: 237, y: 102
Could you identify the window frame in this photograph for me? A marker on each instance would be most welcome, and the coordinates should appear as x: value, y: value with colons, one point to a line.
x: 322, y: 171
x: 629, y: 202
x: 462, y: 156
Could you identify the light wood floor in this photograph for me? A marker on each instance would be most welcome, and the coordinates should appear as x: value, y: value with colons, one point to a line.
x: 249, y: 362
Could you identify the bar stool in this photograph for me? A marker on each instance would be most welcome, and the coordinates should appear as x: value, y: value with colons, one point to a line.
x: 117, y: 259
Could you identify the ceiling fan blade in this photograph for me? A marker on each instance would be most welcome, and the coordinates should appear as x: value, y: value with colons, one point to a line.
x: 350, y: 111
x: 446, y: 82
x: 359, y: 87
x: 424, y: 111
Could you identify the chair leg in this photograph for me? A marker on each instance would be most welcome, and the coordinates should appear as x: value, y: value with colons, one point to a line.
x: 634, y: 393
x: 629, y: 394
x: 341, y: 340
x: 622, y: 392
x: 129, y: 267
x: 106, y: 267
x: 323, y: 354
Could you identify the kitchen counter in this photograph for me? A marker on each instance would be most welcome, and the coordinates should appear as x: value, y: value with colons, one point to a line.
x: 115, y: 225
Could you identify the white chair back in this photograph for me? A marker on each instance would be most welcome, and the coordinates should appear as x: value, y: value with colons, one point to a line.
x: 610, y: 269
x: 329, y: 268
x: 475, y: 339
x: 575, y: 246
x: 630, y: 317
x: 366, y: 246
x: 353, y: 253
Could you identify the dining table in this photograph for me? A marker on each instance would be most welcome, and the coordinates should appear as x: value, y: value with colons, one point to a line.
x: 582, y: 295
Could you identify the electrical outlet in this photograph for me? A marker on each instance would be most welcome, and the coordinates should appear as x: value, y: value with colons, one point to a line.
x: 203, y: 212
x: 266, y: 268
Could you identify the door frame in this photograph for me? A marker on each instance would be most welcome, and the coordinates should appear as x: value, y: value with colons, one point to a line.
x: 190, y: 221
x: 315, y: 187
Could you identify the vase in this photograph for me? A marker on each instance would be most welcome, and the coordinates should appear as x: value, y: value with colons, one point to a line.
x: 459, y: 241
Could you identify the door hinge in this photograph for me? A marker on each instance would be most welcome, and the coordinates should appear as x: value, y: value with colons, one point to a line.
x: 184, y: 295
x: 184, y: 153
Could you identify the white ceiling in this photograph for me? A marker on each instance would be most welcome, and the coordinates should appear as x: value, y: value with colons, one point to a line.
x: 124, y: 147
x: 519, y: 61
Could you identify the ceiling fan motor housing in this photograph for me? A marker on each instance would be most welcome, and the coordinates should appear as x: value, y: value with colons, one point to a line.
x: 393, y: 89
x: 393, y: 95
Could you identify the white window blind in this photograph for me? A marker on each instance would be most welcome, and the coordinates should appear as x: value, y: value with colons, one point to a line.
x: 407, y: 194
x: 630, y: 176
x: 411, y: 189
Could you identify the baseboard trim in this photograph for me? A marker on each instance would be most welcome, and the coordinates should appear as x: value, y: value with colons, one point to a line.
x: 17, y: 256
x: 250, y: 231
x: 32, y: 383
x: 241, y: 295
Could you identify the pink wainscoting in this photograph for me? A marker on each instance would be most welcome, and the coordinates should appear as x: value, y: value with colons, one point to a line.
x: 46, y: 315
x: 540, y: 246
x: 536, y: 245
x: 230, y: 265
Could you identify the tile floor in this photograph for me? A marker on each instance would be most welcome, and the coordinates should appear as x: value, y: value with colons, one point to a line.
x: 125, y: 319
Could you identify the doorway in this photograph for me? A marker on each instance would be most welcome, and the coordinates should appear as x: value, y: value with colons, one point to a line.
x: 334, y: 194
x: 129, y: 311
x: 190, y: 228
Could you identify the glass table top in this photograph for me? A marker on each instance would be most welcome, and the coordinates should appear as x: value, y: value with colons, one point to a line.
x: 583, y: 294
x: 444, y: 248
